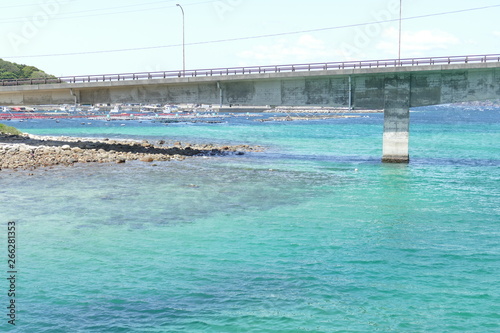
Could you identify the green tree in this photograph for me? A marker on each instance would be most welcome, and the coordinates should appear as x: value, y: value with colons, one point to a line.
x: 40, y: 75
x: 28, y: 71
x: 9, y: 67
x: 8, y: 76
x: 11, y: 71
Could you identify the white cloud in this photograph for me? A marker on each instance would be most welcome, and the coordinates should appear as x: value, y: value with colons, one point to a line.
x: 496, y: 33
x: 306, y: 48
x: 418, y: 43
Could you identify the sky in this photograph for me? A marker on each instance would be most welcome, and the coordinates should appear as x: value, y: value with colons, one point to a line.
x: 85, y: 37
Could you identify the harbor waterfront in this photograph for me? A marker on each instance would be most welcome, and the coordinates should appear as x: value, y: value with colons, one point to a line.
x: 311, y: 234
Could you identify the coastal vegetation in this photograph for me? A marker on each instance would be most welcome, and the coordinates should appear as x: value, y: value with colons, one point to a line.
x: 4, y: 129
x: 12, y: 71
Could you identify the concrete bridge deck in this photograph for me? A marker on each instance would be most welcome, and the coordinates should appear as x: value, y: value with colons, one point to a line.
x: 392, y: 85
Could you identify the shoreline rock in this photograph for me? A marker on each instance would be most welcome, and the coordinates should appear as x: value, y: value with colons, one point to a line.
x: 29, y: 152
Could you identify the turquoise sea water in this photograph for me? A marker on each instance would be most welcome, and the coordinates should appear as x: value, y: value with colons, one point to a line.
x: 313, y: 235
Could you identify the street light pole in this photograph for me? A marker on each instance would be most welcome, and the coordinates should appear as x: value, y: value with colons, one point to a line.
x: 400, y: 19
x: 183, y: 42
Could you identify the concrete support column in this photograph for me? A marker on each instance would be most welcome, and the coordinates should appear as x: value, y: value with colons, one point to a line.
x: 76, y: 96
x: 396, y: 119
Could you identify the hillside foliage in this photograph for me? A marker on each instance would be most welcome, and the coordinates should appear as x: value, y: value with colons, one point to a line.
x: 4, y: 129
x: 12, y: 71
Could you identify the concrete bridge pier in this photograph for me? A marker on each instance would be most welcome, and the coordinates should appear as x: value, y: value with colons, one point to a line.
x: 396, y: 119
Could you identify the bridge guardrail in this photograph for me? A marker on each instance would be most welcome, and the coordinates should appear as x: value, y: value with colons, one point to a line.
x: 259, y: 69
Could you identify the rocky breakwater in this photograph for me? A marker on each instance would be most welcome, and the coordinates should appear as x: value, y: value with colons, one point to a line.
x: 31, y: 151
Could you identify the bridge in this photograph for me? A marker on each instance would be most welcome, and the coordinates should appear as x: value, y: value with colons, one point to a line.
x: 394, y: 85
